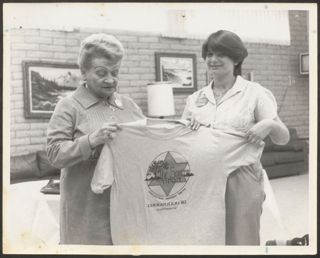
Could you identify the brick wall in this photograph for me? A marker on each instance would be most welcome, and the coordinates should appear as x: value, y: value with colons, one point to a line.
x: 275, y: 67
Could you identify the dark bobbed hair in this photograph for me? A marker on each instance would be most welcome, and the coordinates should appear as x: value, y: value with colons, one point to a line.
x: 228, y: 44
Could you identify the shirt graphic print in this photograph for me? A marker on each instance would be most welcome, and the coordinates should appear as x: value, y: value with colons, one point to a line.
x: 168, y: 182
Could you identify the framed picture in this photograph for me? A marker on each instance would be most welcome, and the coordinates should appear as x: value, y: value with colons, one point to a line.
x: 45, y: 83
x: 178, y: 68
x: 304, y: 63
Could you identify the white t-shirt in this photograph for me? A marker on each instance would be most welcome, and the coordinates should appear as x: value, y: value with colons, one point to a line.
x: 169, y: 182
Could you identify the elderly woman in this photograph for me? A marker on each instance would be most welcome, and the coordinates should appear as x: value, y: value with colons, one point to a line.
x: 231, y: 102
x: 78, y: 128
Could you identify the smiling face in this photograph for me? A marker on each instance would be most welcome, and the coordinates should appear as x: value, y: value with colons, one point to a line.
x: 102, y: 76
x: 219, y: 64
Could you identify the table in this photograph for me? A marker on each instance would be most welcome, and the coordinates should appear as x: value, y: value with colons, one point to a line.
x: 31, y: 215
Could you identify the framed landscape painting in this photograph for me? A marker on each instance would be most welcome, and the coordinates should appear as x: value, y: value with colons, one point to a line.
x: 178, y: 68
x: 45, y: 83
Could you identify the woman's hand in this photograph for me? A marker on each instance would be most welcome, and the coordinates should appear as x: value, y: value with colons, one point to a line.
x: 194, y: 124
x: 259, y: 131
x: 106, y: 132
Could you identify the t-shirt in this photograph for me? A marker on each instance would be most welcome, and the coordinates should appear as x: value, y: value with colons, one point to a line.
x: 169, y: 182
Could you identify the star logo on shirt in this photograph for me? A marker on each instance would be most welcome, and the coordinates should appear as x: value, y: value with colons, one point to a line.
x: 168, y: 171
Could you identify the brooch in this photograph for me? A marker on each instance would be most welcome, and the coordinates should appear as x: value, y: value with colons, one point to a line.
x: 118, y: 103
x: 202, y: 100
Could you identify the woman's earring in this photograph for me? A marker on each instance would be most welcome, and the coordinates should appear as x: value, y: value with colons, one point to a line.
x: 84, y: 82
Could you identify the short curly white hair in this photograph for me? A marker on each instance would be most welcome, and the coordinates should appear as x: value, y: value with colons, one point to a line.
x: 99, y: 45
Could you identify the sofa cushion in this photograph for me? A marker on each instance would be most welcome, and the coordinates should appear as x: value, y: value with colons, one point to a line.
x: 281, y: 157
x: 293, y: 134
x: 268, y: 144
x: 24, y: 167
x: 46, y: 169
x: 287, y: 169
x: 267, y: 159
x: 293, y: 145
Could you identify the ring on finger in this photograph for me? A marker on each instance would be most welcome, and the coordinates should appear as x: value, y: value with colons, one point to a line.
x: 259, y: 141
x: 107, y: 133
x: 256, y: 140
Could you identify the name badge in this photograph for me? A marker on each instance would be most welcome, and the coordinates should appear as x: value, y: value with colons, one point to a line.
x: 118, y: 103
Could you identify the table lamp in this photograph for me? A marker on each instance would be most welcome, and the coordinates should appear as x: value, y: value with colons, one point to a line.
x: 160, y: 99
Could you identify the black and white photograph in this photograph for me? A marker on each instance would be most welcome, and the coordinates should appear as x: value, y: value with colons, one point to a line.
x: 160, y: 128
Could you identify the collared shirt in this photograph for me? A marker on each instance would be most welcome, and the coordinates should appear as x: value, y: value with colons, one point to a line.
x: 82, y: 113
x: 87, y: 99
x: 245, y: 104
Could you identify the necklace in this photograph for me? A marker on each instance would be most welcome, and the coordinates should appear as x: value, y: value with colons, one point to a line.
x: 218, y: 96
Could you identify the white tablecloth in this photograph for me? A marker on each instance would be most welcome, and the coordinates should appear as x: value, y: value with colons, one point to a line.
x: 31, y: 215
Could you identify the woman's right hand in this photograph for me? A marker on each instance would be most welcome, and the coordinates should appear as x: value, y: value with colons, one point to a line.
x: 102, y: 135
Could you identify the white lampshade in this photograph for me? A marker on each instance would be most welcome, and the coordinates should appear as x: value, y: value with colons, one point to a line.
x: 160, y: 99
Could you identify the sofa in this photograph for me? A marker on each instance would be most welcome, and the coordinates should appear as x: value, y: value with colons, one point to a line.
x: 31, y: 167
x: 285, y: 160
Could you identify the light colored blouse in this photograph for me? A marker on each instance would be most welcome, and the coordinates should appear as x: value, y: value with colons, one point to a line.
x: 245, y: 104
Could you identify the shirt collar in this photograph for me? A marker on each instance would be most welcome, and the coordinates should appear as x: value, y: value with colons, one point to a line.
x: 85, y: 97
x: 209, y: 93
x: 238, y: 86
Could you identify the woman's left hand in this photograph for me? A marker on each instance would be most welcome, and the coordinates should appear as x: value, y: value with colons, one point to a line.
x: 194, y: 124
x: 259, y: 131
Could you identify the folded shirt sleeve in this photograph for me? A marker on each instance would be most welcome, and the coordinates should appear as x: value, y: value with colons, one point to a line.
x: 103, y: 173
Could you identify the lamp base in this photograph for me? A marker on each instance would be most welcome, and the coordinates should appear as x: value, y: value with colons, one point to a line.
x: 162, y: 117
